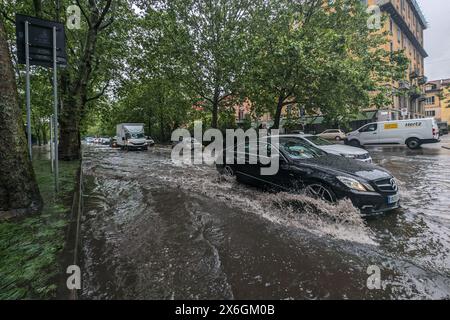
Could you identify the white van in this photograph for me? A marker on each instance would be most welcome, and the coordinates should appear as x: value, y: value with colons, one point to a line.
x: 413, y: 133
x: 131, y: 136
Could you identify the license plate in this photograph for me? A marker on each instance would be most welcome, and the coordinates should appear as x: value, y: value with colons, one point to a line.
x: 393, y: 199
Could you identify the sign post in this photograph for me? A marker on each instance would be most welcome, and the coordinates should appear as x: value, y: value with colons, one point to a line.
x: 51, y: 142
x: 55, y: 107
x: 27, y: 88
x: 42, y: 42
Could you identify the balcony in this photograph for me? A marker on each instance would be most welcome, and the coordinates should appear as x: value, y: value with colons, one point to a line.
x: 415, y: 92
x: 415, y: 74
x: 422, y: 80
x: 404, y: 85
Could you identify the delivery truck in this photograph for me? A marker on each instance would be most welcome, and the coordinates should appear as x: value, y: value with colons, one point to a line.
x: 131, y: 136
x: 413, y: 133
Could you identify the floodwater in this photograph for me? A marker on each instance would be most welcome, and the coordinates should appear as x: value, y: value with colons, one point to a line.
x: 155, y: 230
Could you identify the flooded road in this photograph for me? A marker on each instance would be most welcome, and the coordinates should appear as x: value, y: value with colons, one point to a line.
x: 155, y: 230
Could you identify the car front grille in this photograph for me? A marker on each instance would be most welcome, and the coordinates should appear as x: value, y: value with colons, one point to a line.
x: 387, y: 185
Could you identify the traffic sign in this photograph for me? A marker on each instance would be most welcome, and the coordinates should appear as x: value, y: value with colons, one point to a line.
x: 40, y: 41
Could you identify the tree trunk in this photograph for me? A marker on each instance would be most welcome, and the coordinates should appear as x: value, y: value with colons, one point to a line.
x: 75, y: 90
x: 161, y: 127
x: 214, y: 120
x: 277, y: 118
x: 19, y: 192
x: 215, y: 109
x: 69, y: 127
x: 44, y: 134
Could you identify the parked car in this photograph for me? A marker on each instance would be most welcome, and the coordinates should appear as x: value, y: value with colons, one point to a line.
x: 304, y: 167
x: 194, y: 144
x: 113, y: 142
x: 443, y: 128
x: 296, y: 132
x: 333, y: 134
x: 150, y: 141
x: 105, y: 141
x: 413, y: 133
x: 337, y: 149
x: 89, y: 140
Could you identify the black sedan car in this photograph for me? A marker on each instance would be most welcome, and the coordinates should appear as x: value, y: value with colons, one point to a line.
x: 305, y: 168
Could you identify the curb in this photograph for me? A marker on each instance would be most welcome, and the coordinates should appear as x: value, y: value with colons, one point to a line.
x: 70, y: 254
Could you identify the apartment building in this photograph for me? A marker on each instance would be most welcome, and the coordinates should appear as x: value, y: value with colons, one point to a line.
x: 437, y: 100
x: 405, y: 26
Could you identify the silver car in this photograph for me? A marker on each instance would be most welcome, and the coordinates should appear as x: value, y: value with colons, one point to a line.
x: 333, y: 134
x: 338, y: 149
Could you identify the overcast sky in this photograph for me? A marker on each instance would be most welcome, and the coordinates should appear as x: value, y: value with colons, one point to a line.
x: 437, y: 38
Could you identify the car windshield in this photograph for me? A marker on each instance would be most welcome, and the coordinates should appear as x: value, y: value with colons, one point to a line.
x: 298, y: 149
x: 318, y: 141
x: 137, y: 135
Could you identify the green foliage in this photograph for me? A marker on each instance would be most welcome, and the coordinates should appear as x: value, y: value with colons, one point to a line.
x: 29, y: 248
x: 323, y: 58
x: 164, y: 56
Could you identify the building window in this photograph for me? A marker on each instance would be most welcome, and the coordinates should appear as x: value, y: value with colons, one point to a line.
x: 399, y: 35
x: 430, y: 113
x: 429, y: 100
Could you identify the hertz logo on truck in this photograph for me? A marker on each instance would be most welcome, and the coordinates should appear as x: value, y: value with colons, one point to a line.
x: 413, y: 124
x: 389, y: 126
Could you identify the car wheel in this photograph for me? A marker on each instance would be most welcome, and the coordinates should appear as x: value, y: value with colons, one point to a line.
x: 413, y: 143
x: 226, y: 170
x: 320, y: 191
x: 354, y: 143
x: 337, y: 138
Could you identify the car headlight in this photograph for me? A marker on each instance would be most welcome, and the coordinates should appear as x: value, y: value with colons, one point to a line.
x: 355, y: 184
x: 350, y: 156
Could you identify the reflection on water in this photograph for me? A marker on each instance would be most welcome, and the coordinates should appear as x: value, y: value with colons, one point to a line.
x: 154, y: 230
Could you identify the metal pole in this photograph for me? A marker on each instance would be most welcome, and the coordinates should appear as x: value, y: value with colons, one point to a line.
x: 27, y: 89
x: 51, y: 143
x: 55, y: 94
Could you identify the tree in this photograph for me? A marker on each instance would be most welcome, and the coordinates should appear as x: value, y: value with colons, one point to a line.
x: 203, y: 45
x: 76, y: 81
x: 92, y: 58
x: 322, y: 58
x: 157, y: 102
x: 19, y: 193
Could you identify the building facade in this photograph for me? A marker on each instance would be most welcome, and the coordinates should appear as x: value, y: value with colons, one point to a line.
x: 405, y: 27
x: 437, y: 102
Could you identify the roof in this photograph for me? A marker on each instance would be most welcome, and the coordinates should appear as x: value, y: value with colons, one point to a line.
x: 388, y: 6
x: 438, y: 83
x: 418, y: 11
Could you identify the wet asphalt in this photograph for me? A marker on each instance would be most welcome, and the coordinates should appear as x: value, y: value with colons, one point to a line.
x: 152, y: 229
